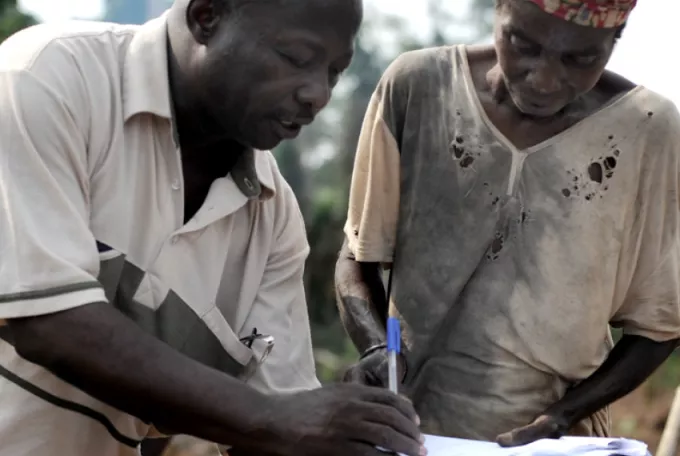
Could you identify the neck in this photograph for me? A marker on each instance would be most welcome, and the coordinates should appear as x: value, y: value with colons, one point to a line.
x: 496, y: 85
x: 192, y: 125
x: 195, y: 123
x: 203, y: 143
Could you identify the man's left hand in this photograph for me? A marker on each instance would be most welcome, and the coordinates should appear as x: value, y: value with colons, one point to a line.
x: 543, y: 427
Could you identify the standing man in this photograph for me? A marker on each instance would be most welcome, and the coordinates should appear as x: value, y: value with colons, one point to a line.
x: 527, y: 199
x: 151, y: 252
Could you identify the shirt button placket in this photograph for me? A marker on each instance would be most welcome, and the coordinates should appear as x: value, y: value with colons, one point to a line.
x: 176, y: 186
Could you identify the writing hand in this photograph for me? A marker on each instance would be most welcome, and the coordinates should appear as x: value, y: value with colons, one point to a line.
x: 344, y: 419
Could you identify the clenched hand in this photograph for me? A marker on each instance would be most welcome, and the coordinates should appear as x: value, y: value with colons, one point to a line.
x: 340, y: 420
x: 373, y: 370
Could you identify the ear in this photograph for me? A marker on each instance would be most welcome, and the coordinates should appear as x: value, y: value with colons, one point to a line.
x: 203, y: 17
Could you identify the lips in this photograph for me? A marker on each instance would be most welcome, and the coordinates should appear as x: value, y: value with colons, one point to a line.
x: 287, y: 129
x: 534, y: 107
x: 533, y: 104
x: 288, y: 126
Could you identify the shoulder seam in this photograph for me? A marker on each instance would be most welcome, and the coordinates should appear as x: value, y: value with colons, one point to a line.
x: 57, y: 39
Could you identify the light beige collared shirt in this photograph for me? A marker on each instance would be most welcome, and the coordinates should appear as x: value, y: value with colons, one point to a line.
x: 91, y: 210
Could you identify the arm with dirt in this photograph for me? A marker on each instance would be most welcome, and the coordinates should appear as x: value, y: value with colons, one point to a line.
x: 363, y: 308
x: 629, y: 364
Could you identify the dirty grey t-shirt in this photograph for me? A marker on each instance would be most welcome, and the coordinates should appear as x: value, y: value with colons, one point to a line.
x: 511, y: 264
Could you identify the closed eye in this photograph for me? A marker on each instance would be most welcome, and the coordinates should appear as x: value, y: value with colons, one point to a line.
x: 581, y: 60
x: 294, y: 60
x: 524, y: 46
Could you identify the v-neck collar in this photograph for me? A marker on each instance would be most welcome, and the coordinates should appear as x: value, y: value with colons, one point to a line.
x: 471, y: 92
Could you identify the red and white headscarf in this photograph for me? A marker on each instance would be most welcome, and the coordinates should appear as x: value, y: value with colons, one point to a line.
x: 592, y: 13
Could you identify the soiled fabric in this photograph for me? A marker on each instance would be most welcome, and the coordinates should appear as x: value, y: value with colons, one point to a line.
x: 511, y: 264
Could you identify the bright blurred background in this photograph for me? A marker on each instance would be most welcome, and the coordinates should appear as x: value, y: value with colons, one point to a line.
x: 318, y: 164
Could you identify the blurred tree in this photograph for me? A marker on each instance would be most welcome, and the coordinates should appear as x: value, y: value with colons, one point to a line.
x: 289, y: 159
x: 12, y: 19
x: 481, y: 13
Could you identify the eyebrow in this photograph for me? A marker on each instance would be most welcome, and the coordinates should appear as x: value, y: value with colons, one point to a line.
x: 519, y: 33
x: 297, y: 43
x: 299, y: 39
x: 594, y: 49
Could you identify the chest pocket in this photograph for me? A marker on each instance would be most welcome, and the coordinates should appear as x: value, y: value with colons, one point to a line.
x: 163, y: 314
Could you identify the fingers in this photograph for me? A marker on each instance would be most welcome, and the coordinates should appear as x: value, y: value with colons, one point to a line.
x: 388, y: 416
x: 401, y: 403
x: 353, y: 375
x: 358, y: 376
x: 386, y: 437
x: 379, y: 371
x: 382, y: 419
x: 507, y: 440
x: 369, y: 372
x: 527, y: 434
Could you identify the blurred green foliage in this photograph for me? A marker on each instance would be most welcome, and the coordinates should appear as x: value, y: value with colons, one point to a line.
x: 12, y: 19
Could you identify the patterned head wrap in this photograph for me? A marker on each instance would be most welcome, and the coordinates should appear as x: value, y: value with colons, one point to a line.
x: 592, y: 13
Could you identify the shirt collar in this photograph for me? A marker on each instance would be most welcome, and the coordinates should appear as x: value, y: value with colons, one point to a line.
x: 146, y: 89
x: 253, y: 175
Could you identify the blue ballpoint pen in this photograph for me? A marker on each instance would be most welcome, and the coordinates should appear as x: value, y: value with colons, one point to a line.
x: 393, y: 348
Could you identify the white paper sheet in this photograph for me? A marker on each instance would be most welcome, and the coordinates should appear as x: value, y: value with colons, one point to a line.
x: 566, y: 446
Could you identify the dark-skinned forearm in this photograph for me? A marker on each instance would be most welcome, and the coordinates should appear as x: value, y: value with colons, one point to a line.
x: 632, y: 360
x: 361, y: 299
x: 99, y: 350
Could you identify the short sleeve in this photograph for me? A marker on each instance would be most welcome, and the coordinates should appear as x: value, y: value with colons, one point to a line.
x: 374, y: 196
x: 650, y: 306
x: 49, y: 256
x: 280, y: 308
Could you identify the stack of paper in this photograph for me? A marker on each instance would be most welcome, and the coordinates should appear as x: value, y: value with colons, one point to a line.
x: 566, y: 446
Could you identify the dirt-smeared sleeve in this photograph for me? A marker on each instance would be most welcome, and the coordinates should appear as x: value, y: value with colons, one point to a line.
x: 374, y: 193
x: 650, y: 306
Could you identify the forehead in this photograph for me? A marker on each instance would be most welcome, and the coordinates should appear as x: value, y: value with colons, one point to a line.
x: 550, y: 31
x: 338, y: 20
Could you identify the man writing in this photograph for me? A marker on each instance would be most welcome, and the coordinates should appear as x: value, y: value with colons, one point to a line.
x: 526, y: 199
x: 151, y: 251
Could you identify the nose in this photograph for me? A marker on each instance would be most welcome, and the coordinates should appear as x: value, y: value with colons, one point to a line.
x: 546, y: 78
x: 315, y: 93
